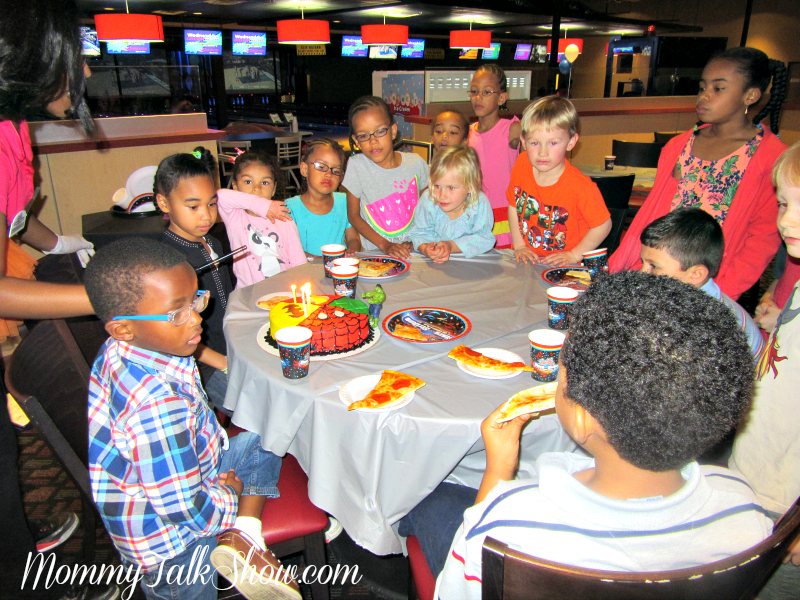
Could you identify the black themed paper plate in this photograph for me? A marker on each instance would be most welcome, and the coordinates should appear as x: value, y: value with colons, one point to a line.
x: 428, y: 325
x: 401, y: 266
x: 559, y: 277
x: 124, y: 214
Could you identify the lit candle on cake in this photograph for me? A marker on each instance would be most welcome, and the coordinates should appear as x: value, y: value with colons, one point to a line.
x: 294, y: 293
x: 305, y: 293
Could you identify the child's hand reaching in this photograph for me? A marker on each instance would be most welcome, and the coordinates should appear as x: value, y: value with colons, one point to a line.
x: 560, y: 259
x: 501, y: 441
x: 438, y: 252
x: 230, y: 478
x: 526, y: 255
x: 278, y: 210
x: 399, y: 250
x: 767, y: 314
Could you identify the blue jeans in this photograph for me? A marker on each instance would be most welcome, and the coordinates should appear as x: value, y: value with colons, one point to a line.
x: 257, y: 468
x: 436, y: 519
x: 187, y: 576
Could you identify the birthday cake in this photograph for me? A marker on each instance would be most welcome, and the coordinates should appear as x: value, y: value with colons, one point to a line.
x: 338, y: 324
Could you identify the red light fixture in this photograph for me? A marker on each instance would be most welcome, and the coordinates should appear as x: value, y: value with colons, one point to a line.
x: 303, y: 31
x: 564, y: 42
x: 467, y: 38
x: 113, y: 27
x: 384, y: 35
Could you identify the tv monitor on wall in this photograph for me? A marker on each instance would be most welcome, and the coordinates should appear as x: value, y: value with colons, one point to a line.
x: 523, y: 51
x: 202, y: 41
x: 492, y: 53
x: 128, y: 47
x: 414, y: 49
x: 468, y: 53
x: 352, y: 46
x: 89, y: 43
x: 249, y: 43
x: 383, y: 52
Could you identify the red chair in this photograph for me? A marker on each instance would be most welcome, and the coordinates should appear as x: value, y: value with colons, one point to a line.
x: 422, y: 578
x: 292, y: 524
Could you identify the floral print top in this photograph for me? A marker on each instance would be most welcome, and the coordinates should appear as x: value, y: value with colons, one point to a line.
x: 712, y: 184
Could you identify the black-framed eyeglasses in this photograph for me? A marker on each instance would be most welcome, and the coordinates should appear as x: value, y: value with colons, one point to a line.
x: 177, y: 317
x: 321, y: 166
x: 484, y: 93
x: 364, y: 137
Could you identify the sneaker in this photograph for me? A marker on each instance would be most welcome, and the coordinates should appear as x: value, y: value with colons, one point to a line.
x: 54, y: 531
x: 333, y: 530
x: 258, y: 575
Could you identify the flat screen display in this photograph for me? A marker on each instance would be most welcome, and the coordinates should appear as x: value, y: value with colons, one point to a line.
x: 352, y: 46
x: 539, y: 53
x: 202, y: 41
x: 468, y: 53
x: 414, y: 49
x: 523, y: 52
x: 383, y: 52
x: 492, y: 53
x: 89, y: 43
x: 128, y: 47
x: 249, y: 43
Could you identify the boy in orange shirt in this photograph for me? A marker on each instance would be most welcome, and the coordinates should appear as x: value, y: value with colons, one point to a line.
x: 555, y: 213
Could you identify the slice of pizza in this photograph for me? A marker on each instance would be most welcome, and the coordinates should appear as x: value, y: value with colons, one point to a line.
x: 374, y: 268
x: 391, y: 388
x: 270, y: 302
x: 532, y: 400
x: 409, y: 333
x: 584, y: 275
x: 475, y: 359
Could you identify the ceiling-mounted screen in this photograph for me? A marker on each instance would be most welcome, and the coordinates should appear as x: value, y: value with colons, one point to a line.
x: 128, y: 47
x: 383, y: 52
x: 492, y: 53
x: 89, y: 44
x: 202, y: 41
x: 414, y: 49
x: 249, y: 43
x: 352, y: 46
x: 468, y: 53
x: 523, y: 51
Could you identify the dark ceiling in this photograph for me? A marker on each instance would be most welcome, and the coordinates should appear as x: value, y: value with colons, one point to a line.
x: 505, y: 18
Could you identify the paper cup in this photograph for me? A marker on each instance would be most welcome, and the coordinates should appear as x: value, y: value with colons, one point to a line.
x: 610, y: 162
x: 330, y: 252
x: 345, y: 262
x: 294, y: 347
x: 596, y: 261
x: 559, y: 304
x: 545, y: 347
x: 344, y: 281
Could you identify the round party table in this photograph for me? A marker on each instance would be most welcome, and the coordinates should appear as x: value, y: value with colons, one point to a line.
x: 369, y: 469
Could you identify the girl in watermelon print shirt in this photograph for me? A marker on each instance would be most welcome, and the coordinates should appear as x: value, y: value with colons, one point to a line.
x: 382, y: 186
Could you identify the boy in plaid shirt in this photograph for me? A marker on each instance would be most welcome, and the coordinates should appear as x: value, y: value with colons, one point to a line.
x: 161, y: 468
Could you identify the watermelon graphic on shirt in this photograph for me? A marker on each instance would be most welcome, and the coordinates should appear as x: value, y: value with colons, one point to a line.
x: 394, y: 214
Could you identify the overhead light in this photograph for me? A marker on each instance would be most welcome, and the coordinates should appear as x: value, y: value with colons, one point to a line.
x: 469, y: 38
x: 197, y: 13
x: 303, y: 31
x: 129, y: 27
x: 384, y: 35
x: 337, y: 21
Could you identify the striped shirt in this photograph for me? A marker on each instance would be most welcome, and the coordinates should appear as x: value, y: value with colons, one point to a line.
x: 751, y: 331
x: 715, y: 515
x: 154, y: 452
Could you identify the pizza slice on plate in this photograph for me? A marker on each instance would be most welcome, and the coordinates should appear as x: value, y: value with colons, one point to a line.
x: 583, y: 275
x: 532, y: 400
x: 374, y: 268
x: 472, y: 358
x: 270, y: 302
x: 391, y: 388
x: 409, y: 333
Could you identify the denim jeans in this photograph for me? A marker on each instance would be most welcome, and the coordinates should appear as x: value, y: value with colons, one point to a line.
x: 187, y: 576
x: 257, y: 468
x: 436, y: 519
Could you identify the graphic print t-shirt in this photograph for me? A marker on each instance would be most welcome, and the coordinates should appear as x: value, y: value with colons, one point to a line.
x: 554, y: 218
x: 388, y: 196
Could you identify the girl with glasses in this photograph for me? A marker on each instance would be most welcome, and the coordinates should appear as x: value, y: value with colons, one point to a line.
x: 496, y: 141
x: 382, y: 186
x: 320, y: 212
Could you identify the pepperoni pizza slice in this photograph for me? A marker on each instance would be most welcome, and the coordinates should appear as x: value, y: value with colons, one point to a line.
x: 475, y: 359
x: 532, y: 400
x: 391, y: 388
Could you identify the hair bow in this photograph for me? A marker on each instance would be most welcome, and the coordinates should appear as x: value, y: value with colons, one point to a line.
x: 197, y: 154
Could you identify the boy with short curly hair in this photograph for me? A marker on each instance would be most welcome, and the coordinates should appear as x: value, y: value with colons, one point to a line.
x: 653, y: 373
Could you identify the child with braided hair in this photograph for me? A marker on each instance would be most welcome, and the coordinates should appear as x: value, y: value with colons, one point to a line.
x: 724, y: 167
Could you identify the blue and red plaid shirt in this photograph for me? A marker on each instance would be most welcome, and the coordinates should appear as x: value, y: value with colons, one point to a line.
x: 154, y: 453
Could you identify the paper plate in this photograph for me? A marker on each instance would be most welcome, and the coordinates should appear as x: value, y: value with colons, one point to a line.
x: 272, y: 295
x: 358, y: 388
x: 497, y: 354
x: 401, y: 266
x: 437, y: 324
x: 559, y: 277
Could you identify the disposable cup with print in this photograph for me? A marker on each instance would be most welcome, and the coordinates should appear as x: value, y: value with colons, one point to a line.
x: 294, y: 348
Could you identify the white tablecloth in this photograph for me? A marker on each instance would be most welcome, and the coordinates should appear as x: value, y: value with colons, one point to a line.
x: 369, y: 470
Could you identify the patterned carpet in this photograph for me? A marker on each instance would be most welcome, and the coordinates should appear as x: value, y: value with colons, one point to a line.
x: 47, y: 490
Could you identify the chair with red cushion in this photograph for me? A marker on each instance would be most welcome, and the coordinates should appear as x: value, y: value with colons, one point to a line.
x: 292, y: 524
x: 422, y: 578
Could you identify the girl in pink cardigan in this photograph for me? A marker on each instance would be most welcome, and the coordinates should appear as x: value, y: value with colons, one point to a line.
x: 723, y: 166
x: 254, y: 220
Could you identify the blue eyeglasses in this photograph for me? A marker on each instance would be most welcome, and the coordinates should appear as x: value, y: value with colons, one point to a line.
x: 178, y: 316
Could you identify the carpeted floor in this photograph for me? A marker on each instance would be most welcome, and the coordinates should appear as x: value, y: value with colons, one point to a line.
x: 48, y: 490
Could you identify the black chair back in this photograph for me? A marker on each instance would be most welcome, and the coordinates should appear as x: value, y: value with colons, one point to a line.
x: 636, y: 154
x: 616, y: 191
x: 512, y: 575
x: 663, y: 138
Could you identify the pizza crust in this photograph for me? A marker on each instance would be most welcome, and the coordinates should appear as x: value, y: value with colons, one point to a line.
x: 472, y: 358
x: 531, y: 401
x: 391, y: 388
x: 409, y: 333
x: 374, y: 268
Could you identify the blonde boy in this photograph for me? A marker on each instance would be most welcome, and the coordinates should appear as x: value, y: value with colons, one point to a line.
x: 555, y: 213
